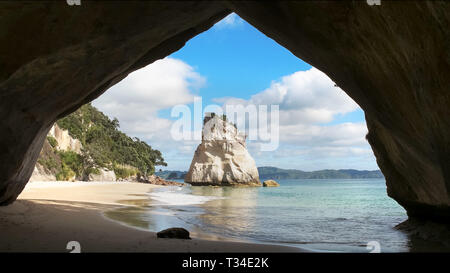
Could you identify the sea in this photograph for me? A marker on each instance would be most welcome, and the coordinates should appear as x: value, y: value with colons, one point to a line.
x: 325, y: 215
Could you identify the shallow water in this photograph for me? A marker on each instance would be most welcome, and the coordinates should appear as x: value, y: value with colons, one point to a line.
x: 317, y: 214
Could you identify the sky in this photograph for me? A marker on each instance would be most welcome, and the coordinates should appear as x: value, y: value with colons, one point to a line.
x: 320, y: 127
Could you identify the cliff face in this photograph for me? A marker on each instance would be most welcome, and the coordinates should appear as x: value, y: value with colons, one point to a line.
x: 49, y: 162
x: 65, y: 141
x: 42, y: 172
x: 392, y: 59
x: 222, y: 157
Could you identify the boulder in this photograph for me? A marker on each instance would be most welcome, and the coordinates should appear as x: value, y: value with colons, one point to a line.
x: 156, y: 180
x: 270, y: 183
x: 41, y: 174
x: 222, y: 158
x: 103, y: 175
x: 175, y: 233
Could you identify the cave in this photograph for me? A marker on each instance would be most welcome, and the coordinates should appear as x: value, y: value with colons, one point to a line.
x: 393, y: 59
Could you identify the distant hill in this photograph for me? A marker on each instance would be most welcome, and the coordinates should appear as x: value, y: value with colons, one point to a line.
x: 277, y: 173
x: 171, y: 174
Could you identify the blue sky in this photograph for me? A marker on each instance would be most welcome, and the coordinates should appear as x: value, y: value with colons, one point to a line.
x: 320, y: 126
x: 238, y: 60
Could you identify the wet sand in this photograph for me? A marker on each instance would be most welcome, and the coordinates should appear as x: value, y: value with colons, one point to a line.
x: 48, y: 215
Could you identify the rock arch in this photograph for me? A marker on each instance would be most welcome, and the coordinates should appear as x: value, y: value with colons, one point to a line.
x: 392, y: 59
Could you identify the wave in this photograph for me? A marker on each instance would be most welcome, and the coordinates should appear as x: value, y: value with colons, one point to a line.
x: 181, y: 199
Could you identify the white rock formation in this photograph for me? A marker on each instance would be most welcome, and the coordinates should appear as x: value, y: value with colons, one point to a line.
x: 40, y: 174
x: 104, y: 175
x: 222, y: 157
x: 65, y: 141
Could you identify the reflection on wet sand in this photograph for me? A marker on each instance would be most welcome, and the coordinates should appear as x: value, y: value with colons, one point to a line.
x: 236, y: 210
x: 146, y: 215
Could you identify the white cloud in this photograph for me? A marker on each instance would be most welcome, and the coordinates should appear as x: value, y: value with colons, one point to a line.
x: 308, y: 100
x: 160, y: 85
x: 138, y: 98
x: 343, y: 134
x: 303, y: 97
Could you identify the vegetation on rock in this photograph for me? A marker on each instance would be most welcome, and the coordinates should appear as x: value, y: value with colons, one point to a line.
x: 104, y: 146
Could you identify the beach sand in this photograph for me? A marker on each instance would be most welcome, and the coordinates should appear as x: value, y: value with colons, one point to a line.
x: 47, y: 215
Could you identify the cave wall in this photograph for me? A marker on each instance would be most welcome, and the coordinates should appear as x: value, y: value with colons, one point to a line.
x: 392, y: 59
x: 55, y: 58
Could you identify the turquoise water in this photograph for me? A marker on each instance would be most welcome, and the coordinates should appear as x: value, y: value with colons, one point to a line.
x: 317, y: 214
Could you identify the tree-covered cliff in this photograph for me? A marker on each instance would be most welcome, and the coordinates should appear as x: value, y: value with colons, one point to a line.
x: 104, y: 146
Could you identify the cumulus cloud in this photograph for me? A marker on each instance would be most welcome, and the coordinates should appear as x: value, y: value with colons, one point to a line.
x: 138, y: 98
x: 343, y: 134
x: 308, y: 101
x: 303, y: 97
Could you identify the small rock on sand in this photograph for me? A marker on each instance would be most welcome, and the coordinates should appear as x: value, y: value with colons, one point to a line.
x: 270, y: 183
x: 176, y: 233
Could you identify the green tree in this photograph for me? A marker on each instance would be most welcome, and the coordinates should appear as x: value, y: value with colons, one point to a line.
x: 105, y: 145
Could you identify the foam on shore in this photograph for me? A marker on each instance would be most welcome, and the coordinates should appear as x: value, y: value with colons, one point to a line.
x: 177, y: 197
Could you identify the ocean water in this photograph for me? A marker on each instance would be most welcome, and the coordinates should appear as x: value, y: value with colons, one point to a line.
x: 341, y: 215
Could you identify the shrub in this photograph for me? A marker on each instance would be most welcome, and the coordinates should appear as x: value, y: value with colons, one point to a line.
x: 124, y: 172
x: 52, y: 141
x: 65, y: 174
x: 71, y: 160
x: 92, y: 170
x: 49, y: 163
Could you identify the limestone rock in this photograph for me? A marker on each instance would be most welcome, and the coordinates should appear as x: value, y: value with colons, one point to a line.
x: 65, y: 141
x: 104, y: 175
x: 175, y: 233
x: 40, y: 174
x: 423, y: 233
x: 156, y: 180
x: 270, y: 183
x: 222, y: 157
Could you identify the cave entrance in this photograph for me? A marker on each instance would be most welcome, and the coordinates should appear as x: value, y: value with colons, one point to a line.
x: 233, y: 63
x: 321, y: 156
x: 388, y: 58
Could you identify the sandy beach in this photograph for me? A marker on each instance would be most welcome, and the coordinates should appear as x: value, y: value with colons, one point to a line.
x: 47, y: 215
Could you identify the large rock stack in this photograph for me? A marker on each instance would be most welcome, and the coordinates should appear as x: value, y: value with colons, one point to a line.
x: 222, y: 158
